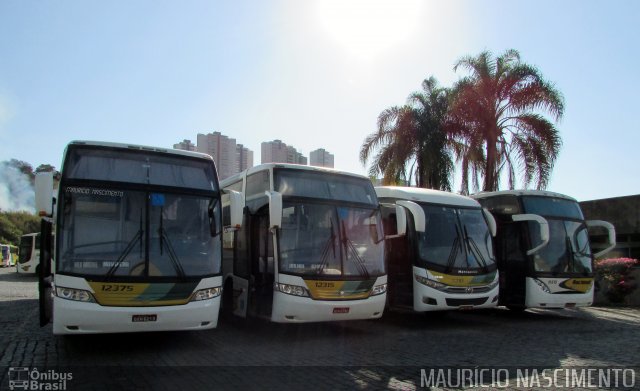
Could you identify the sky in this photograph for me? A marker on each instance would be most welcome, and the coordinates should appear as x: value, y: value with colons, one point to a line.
x: 313, y: 73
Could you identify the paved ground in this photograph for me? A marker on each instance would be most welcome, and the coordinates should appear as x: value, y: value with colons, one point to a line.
x: 388, y: 353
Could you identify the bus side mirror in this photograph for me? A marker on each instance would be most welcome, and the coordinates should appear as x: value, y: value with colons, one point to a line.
x: 44, y: 193
x: 491, y: 222
x: 416, y: 210
x: 401, y: 221
x: 542, y: 224
x: 612, y: 235
x: 275, y: 209
x: 236, y: 208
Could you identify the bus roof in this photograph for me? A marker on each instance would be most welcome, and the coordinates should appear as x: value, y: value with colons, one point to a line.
x: 267, y: 166
x: 520, y: 193
x: 135, y: 147
x: 425, y: 195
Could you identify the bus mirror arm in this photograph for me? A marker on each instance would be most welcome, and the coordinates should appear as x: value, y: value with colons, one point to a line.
x: 544, y: 229
x: 612, y: 235
x: 275, y: 208
x: 491, y: 221
x: 401, y: 223
x: 236, y: 208
x: 417, y: 212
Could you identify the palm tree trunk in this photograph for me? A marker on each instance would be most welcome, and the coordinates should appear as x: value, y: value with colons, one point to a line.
x: 490, y: 174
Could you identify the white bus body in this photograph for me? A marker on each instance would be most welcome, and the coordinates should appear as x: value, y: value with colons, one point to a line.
x: 29, y: 254
x: 138, y: 241
x: 543, y: 249
x: 310, y: 246
x: 444, y: 260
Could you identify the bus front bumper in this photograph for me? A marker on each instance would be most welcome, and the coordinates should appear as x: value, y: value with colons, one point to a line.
x: 296, y: 309
x: 74, y: 317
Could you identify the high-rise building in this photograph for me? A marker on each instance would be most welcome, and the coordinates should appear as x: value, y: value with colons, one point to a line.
x: 273, y: 152
x: 244, y: 158
x: 185, y: 145
x: 278, y: 152
x: 321, y: 158
x: 295, y: 157
x: 224, y: 151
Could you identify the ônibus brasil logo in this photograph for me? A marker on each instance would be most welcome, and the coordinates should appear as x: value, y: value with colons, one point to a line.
x: 22, y: 378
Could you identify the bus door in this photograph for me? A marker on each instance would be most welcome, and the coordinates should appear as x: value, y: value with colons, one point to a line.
x: 512, y: 263
x: 241, y: 269
x: 45, y: 277
x: 262, y: 266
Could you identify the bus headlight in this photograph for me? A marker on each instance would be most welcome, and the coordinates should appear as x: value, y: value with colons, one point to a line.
x: 378, y: 290
x: 294, y: 290
x: 430, y: 283
x: 206, y: 294
x: 542, y: 285
x: 74, y: 294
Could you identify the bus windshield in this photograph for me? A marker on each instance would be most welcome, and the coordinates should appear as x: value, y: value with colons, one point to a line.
x: 129, y: 233
x: 318, y: 239
x: 552, y: 207
x: 568, y: 250
x: 86, y: 163
x: 455, y: 239
x: 321, y: 185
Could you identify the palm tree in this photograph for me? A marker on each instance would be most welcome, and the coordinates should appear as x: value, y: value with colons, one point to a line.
x: 411, y: 142
x: 496, y: 117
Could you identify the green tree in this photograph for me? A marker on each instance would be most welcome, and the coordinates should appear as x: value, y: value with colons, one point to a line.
x: 15, y: 224
x: 497, y: 117
x: 411, y: 141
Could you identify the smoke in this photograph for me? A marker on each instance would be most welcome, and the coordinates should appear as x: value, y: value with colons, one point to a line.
x: 16, y: 191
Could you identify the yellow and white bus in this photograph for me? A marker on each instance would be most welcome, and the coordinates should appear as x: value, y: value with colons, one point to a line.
x: 543, y: 249
x: 29, y: 254
x: 442, y: 257
x: 138, y: 235
x: 309, y: 248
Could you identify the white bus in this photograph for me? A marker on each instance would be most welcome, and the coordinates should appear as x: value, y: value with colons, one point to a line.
x: 29, y: 254
x: 442, y: 259
x: 543, y: 249
x: 138, y: 241
x: 309, y: 248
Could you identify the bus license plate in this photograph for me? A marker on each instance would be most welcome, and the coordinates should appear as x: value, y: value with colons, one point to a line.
x: 465, y: 307
x: 144, y: 318
x: 341, y: 310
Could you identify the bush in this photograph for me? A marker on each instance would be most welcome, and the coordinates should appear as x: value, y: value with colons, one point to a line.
x: 617, y: 272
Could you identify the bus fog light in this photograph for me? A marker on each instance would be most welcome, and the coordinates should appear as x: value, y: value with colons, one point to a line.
x: 74, y: 294
x: 542, y: 285
x: 206, y: 294
x: 379, y: 289
x: 291, y: 289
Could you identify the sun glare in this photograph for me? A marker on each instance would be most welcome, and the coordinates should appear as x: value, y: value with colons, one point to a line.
x: 365, y: 28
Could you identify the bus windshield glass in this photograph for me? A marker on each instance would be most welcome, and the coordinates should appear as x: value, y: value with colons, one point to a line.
x: 322, y: 185
x: 129, y: 233
x: 552, y: 207
x: 86, y: 163
x: 455, y: 239
x: 318, y: 239
x: 568, y: 250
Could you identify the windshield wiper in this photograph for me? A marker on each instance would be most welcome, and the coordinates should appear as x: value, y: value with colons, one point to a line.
x: 358, y: 261
x: 325, y: 251
x: 177, y: 265
x: 454, y: 252
x: 472, y: 245
x: 127, y: 250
